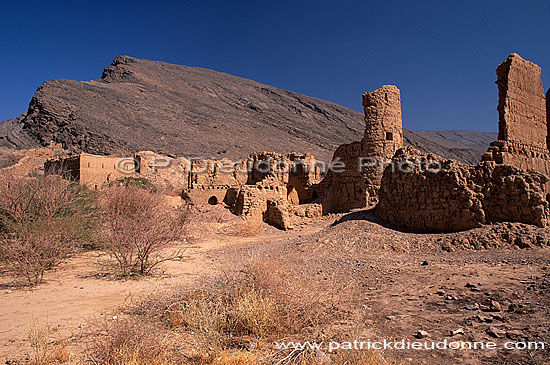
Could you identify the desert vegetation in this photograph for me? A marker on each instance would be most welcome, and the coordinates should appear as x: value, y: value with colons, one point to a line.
x: 137, y: 227
x: 42, y: 220
x: 230, y: 319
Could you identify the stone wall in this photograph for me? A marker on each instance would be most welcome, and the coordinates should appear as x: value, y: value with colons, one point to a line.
x: 92, y: 170
x: 523, y: 139
x: 364, y: 161
x: 446, y: 196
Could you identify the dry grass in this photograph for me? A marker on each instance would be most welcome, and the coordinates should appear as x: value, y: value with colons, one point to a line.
x: 44, y: 350
x: 235, y: 319
x: 129, y: 342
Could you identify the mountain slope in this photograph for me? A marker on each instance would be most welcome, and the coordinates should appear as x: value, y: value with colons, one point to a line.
x: 179, y: 110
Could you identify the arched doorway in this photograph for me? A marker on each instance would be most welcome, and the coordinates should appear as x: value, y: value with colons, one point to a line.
x: 213, y: 200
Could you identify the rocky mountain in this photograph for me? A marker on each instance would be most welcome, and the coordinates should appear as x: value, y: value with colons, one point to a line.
x: 186, y: 111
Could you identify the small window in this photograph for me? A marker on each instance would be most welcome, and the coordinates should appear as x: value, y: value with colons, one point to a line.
x: 389, y: 136
x: 213, y: 200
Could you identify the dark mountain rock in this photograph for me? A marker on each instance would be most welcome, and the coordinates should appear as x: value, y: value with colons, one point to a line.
x: 186, y: 111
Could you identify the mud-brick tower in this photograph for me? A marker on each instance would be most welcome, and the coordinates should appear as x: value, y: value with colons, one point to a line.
x: 383, y: 125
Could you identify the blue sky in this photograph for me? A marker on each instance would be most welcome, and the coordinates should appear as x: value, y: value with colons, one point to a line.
x: 441, y: 54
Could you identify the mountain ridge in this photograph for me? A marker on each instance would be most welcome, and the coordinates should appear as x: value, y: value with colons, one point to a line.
x: 191, y: 111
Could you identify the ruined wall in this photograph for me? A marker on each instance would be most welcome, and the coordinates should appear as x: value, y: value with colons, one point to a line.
x: 163, y: 171
x: 98, y: 170
x: 277, y: 214
x: 357, y: 185
x: 346, y: 189
x: 215, y: 181
x: 521, y: 107
x: 298, y: 172
x: 455, y: 197
x: 66, y: 166
x: 523, y: 131
x: 252, y: 200
x: 92, y: 170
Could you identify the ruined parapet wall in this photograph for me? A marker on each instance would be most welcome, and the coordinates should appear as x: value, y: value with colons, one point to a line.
x: 163, y: 171
x: 523, y: 131
x: 521, y: 107
x: 92, y: 170
x: 447, y: 196
x: 346, y: 189
x: 98, y: 170
x: 357, y: 184
x: 298, y: 172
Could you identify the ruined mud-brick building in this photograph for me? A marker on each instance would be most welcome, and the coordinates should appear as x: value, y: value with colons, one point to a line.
x: 357, y: 184
x: 432, y: 194
x: 90, y: 170
x: 272, y: 187
x: 510, y: 184
x: 523, y: 131
x: 96, y: 171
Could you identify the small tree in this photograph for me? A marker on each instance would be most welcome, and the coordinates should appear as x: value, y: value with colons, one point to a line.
x: 42, y: 219
x: 137, y: 227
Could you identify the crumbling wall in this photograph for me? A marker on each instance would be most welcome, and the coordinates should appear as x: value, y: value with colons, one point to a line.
x: 446, y: 196
x: 166, y: 172
x: 215, y: 181
x: 346, y: 187
x: 98, y: 170
x: 92, y: 170
x: 523, y: 131
x: 252, y: 200
x: 298, y: 172
x: 521, y: 107
x: 277, y: 213
x: 358, y: 182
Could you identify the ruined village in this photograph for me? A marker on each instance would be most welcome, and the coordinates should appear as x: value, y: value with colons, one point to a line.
x: 385, y: 240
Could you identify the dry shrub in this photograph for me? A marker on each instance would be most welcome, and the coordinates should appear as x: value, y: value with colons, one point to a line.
x: 300, y: 304
x: 138, y: 226
x: 233, y: 311
x: 42, y: 219
x: 129, y: 342
x: 44, y: 350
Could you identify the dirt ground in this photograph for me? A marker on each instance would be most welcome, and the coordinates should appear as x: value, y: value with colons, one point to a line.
x: 402, y: 283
